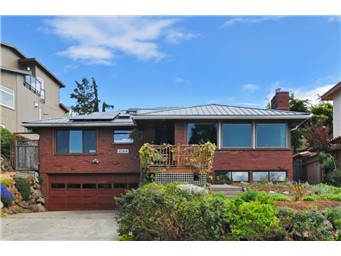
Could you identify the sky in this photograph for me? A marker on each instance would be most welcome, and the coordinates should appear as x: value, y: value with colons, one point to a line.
x: 167, y: 61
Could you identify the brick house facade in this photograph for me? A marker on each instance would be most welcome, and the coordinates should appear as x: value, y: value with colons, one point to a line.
x: 86, y: 160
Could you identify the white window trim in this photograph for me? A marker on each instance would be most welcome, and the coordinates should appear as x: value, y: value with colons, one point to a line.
x: 4, y: 89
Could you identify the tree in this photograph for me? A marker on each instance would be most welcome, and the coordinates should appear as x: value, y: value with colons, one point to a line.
x: 96, y: 100
x: 297, y: 136
x: 106, y: 106
x: 298, y: 105
x: 317, y: 131
x: 87, y: 100
x: 323, y: 111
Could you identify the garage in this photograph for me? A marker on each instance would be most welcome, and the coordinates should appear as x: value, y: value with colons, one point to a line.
x: 88, y: 191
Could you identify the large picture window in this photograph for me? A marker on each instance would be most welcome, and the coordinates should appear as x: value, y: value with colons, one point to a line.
x: 122, y: 136
x: 76, y: 141
x: 6, y: 97
x: 199, y: 133
x: 237, y: 135
x: 271, y: 135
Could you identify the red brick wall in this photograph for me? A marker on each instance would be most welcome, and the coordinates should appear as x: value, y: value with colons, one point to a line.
x: 249, y: 160
x: 180, y: 135
x: 109, y: 160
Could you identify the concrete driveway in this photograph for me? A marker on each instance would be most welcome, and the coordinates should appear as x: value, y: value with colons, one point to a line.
x: 60, y: 226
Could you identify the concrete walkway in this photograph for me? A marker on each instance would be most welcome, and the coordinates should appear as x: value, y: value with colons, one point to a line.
x: 60, y: 226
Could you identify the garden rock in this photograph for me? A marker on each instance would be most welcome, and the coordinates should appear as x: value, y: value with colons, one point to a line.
x: 1, y: 205
x: 41, y: 200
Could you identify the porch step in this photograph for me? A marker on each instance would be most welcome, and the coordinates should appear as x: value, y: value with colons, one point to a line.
x: 228, y: 190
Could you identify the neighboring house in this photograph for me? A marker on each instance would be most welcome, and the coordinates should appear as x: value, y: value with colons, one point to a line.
x: 86, y: 160
x: 334, y: 94
x: 307, y: 166
x: 29, y: 91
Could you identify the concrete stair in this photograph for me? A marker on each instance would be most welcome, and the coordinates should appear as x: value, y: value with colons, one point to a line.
x: 228, y: 190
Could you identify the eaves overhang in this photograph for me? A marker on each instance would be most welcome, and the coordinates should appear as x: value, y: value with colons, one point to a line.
x: 294, y: 117
x: 65, y: 125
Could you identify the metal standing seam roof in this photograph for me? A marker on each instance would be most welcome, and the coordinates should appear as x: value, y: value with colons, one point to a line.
x: 126, y: 118
x: 221, y: 111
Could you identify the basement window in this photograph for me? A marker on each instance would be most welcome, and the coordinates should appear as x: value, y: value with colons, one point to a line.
x: 269, y: 176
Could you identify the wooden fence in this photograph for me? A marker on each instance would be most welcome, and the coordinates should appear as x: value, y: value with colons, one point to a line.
x: 27, y: 155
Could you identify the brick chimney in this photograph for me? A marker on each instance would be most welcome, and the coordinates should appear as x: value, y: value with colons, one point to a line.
x: 280, y: 101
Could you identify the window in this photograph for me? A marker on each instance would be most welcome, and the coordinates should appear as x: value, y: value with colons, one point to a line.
x: 267, y: 176
x: 231, y: 176
x: 75, y: 141
x: 42, y: 91
x: 122, y: 136
x: 237, y: 135
x: 271, y: 135
x: 199, y: 133
x: 57, y: 185
x: 7, y: 97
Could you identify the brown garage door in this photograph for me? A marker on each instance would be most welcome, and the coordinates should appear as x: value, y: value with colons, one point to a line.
x: 88, y: 191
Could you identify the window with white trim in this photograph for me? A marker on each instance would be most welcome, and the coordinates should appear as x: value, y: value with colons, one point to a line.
x: 6, y: 97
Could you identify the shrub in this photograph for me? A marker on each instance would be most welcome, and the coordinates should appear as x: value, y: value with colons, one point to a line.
x: 7, y: 182
x: 334, y: 178
x: 6, y: 196
x: 40, y: 179
x: 253, y: 195
x: 23, y: 187
x: 310, y: 226
x: 252, y: 220
x: 166, y: 212
x: 323, y: 189
x: 285, y: 215
x: 309, y: 198
x: 334, y: 216
x: 6, y: 138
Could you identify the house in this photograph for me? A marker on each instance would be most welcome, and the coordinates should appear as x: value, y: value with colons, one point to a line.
x: 334, y: 94
x: 307, y: 164
x: 86, y: 160
x: 29, y: 91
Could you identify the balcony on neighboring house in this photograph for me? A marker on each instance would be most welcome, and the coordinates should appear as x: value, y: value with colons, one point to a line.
x: 35, y: 86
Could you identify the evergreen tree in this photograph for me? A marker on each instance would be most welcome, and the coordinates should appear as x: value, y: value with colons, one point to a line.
x: 85, y: 97
x: 96, y: 100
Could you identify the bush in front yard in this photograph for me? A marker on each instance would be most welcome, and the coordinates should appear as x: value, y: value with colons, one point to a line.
x: 6, y: 196
x: 334, y: 178
x: 167, y: 212
x: 23, y: 187
x: 6, y: 139
x: 253, y: 221
x: 311, y: 226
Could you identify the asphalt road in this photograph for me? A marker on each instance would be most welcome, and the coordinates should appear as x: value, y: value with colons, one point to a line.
x: 60, y: 226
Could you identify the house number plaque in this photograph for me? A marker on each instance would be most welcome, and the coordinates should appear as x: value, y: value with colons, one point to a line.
x: 122, y: 151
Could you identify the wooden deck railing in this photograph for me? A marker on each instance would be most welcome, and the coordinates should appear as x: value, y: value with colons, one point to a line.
x: 198, y: 157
